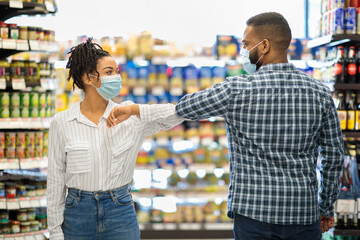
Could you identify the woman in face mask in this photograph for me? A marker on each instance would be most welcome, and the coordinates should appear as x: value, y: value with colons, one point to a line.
x: 91, y: 165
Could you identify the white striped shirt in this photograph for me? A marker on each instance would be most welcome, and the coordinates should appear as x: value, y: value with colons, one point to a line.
x: 92, y: 157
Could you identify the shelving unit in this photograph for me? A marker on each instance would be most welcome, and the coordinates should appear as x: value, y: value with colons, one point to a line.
x: 13, y: 8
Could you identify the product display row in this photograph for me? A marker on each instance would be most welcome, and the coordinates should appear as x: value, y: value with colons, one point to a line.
x: 13, y: 31
x: 31, y: 104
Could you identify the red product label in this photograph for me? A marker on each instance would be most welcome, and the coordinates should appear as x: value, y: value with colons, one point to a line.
x: 337, y: 69
x: 352, y: 69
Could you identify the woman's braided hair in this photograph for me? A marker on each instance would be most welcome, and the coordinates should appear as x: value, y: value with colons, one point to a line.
x: 83, y: 60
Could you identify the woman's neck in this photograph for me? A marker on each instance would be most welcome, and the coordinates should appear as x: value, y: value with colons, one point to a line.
x: 93, y: 103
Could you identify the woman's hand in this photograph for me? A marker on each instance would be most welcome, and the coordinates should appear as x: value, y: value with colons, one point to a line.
x: 118, y: 115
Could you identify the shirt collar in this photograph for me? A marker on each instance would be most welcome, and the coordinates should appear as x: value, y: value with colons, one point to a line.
x: 277, y: 67
x: 75, y: 112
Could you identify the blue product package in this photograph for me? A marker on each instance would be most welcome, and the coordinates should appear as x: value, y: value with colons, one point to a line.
x: 132, y: 72
x: 190, y: 72
x: 140, y: 99
x: 130, y: 97
x: 161, y: 68
x: 163, y: 98
x: 143, y: 72
x: 350, y: 20
x: 177, y: 72
x: 151, y: 99
x: 339, y: 4
x: 219, y: 72
x: 339, y: 20
x: 205, y: 72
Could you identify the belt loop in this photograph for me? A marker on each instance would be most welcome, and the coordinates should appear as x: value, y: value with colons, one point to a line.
x: 112, y: 195
x: 79, y: 194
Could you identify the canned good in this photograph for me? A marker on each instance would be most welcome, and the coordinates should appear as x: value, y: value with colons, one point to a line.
x: 42, y: 99
x: 10, y: 189
x: 4, y: 99
x: 350, y: 20
x: 25, y: 99
x: 34, y: 99
x: 21, y: 139
x: 2, y: 152
x: 18, y: 69
x: 20, y: 152
x: 42, y: 112
x: 5, y: 70
x: 25, y: 112
x: 23, y: 33
x: 10, y: 139
x: 15, y: 112
x: 10, y: 152
x: 45, y: 151
x: 21, y: 215
x: 339, y: 16
x: 14, y: 227
x: 4, y: 31
x: 14, y: 31
x: 39, y: 139
x: 30, y: 152
x: 42, y: 221
x: 15, y: 100
x: 2, y: 140
x: 46, y: 138
x: 38, y: 151
x: 31, y: 216
x: 25, y: 227
x: 34, y: 112
x: 4, y: 112
x: 30, y: 139
x: 47, y: 35
x: 39, y: 34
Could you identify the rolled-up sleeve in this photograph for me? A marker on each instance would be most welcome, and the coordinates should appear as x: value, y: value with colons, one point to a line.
x: 56, y: 181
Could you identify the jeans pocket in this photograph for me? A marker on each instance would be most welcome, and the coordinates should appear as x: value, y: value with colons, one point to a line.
x: 123, y: 198
x: 71, y: 201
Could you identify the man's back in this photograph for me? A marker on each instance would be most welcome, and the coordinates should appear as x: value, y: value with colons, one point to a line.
x: 276, y: 120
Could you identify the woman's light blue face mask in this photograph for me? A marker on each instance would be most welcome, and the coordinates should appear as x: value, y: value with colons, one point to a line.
x: 245, y: 56
x: 110, y: 86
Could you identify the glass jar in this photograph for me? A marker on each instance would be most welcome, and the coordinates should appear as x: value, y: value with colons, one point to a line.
x: 4, y: 227
x: 32, y: 71
x: 23, y: 33
x: 13, y: 31
x: 24, y: 227
x: 21, y: 189
x: 4, y: 30
x: 31, y: 33
x: 39, y: 34
x: 2, y: 190
x: 34, y: 226
x: 31, y: 216
x: 14, y: 227
x: 10, y: 190
x: 21, y: 215
x: 47, y: 35
x: 42, y: 221
x: 5, y: 70
x: 30, y: 191
x: 18, y: 69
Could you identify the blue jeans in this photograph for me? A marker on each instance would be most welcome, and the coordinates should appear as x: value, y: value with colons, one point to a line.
x: 249, y: 229
x: 106, y: 215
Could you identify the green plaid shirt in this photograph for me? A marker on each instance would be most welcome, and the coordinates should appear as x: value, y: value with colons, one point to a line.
x: 277, y: 120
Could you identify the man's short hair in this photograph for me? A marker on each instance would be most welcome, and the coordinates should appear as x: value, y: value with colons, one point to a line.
x: 272, y: 26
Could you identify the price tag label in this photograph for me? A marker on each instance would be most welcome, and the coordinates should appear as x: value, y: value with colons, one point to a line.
x: 18, y: 84
x: 3, y: 163
x: 22, y: 45
x: 35, y: 202
x: 34, y: 45
x: 44, y: 46
x: 52, y: 84
x: 44, y: 72
x: 2, y: 83
x: 170, y: 226
x: 26, y: 163
x: 218, y: 226
x: 12, y: 204
x: 39, y: 237
x: 162, y: 141
x: 207, y: 141
x: 20, y: 237
x: 49, y: 6
x: 29, y: 236
x: 176, y: 91
x: 43, y: 201
x: 2, y: 203
x: 25, y: 203
x: 158, y: 226
x: 43, y: 163
x: 16, y: 4
x: 44, y: 83
x: 13, y: 164
x: 345, y: 206
x: 190, y: 226
x: 9, y: 237
x: 158, y: 91
x: 9, y: 44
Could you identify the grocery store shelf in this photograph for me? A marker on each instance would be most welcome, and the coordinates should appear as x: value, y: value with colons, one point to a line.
x: 334, y: 40
x: 21, y: 203
x: 24, y: 8
x: 186, y: 231
x: 351, y: 134
x: 347, y: 232
x: 9, y: 47
x: 347, y: 86
x: 24, y: 163
x: 38, y: 235
x: 25, y: 123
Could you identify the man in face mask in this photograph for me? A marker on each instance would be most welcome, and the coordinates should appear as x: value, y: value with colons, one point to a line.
x: 277, y: 120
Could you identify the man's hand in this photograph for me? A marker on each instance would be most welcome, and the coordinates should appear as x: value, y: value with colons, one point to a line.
x: 118, y: 115
x: 326, y: 223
